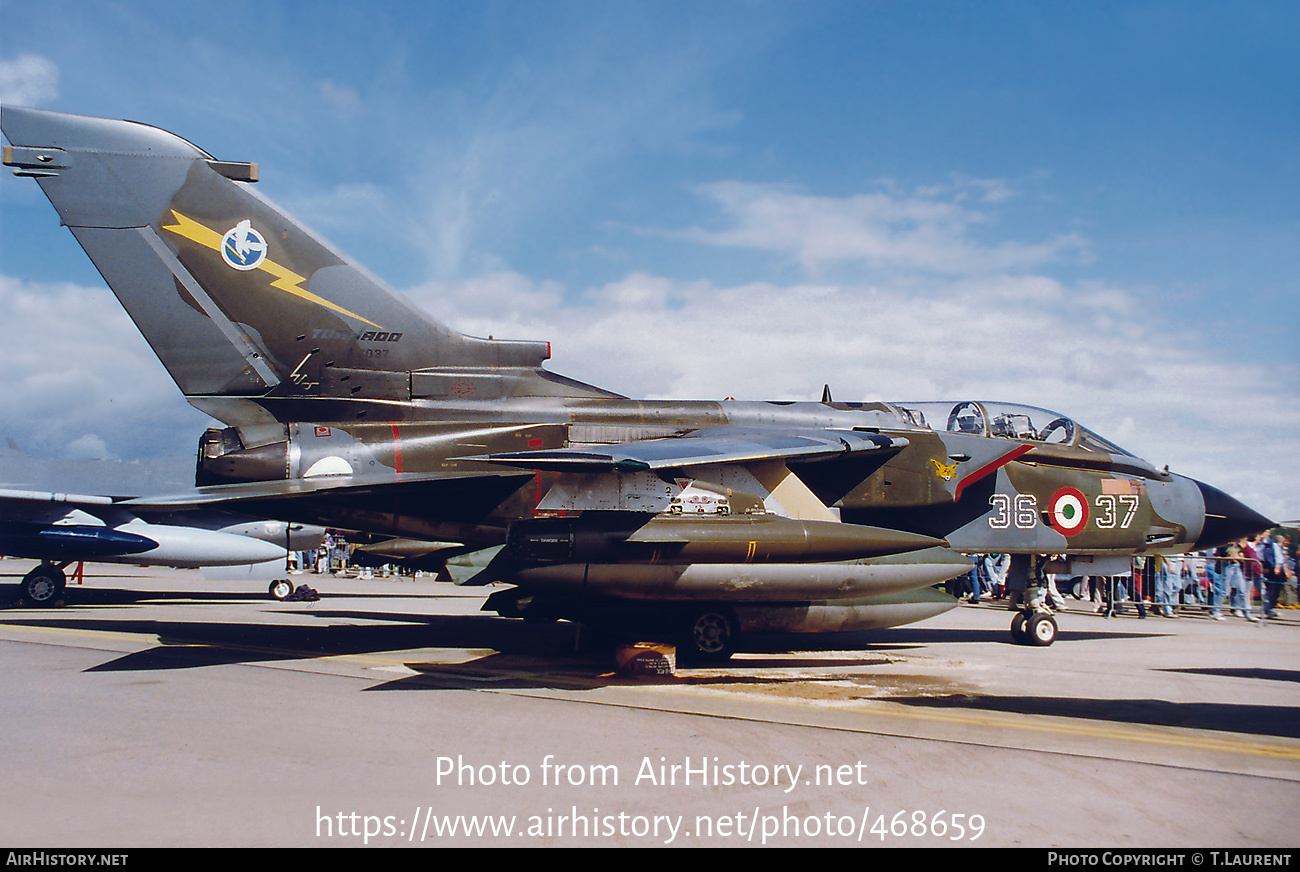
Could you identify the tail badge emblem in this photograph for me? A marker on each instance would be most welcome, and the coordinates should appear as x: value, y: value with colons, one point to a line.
x: 243, y: 247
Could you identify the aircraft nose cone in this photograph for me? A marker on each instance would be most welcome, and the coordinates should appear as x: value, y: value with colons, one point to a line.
x: 1226, y: 519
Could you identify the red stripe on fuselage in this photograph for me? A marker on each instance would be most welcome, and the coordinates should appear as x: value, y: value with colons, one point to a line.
x: 990, y: 467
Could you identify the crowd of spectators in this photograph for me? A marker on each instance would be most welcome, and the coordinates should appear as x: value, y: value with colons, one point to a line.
x: 1231, y: 579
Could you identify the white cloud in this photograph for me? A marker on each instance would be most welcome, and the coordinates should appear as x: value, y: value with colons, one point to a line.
x: 962, y: 187
x: 346, y: 206
x: 28, y: 80
x: 917, y: 232
x: 76, y: 366
x: 340, y: 97
x: 507, y: 150
x: 89, y: 447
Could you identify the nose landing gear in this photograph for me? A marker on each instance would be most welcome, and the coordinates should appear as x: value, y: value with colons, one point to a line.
x: 1031, y: 627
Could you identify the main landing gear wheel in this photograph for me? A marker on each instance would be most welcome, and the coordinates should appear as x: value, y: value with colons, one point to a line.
x: 43, y: 586
x: 280, y: 588
x: 710, y: 637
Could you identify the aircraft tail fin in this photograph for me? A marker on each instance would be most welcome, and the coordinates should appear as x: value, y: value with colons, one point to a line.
x: 237, y: 298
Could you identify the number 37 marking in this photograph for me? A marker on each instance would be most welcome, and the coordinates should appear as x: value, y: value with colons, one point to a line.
x: 1022, y: 511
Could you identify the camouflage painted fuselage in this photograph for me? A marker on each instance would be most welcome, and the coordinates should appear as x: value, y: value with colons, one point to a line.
x: 347, y: 406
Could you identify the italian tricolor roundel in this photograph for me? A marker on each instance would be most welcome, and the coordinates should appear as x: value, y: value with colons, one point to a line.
x: 1068, y: 511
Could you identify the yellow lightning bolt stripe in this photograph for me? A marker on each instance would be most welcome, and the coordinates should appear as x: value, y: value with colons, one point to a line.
x: 285, y: 280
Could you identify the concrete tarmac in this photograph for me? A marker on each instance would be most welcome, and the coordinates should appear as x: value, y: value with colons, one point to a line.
x: 160, y: 708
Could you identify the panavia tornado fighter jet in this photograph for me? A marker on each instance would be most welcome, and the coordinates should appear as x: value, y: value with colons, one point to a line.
x: 348, y: 407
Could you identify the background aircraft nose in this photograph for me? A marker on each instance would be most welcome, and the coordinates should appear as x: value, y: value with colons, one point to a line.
x: 1226, y: 519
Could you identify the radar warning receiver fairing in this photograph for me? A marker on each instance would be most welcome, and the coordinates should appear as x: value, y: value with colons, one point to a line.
x: 348, y: 407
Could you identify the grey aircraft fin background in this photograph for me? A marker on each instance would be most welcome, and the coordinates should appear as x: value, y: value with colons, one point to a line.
x: 236, y: 297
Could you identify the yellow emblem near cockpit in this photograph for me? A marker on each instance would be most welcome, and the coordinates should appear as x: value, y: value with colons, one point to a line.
x: 285, y: 279
x: 945, y: 471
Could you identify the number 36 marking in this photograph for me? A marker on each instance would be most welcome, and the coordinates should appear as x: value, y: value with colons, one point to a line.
x: 1022, y: 511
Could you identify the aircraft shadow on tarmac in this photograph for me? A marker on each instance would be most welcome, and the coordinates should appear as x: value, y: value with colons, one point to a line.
x: 524, y: 655
x: 513, y: 672
x: 189, y: 644
x: 901, y: 637
x: 109, y: 596
x: 1259, y: 720
x: 1264, y: 673
x: 510, y: 671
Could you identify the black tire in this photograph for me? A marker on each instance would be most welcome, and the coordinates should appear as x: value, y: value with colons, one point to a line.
x: 1019, y: 634
x: 43, y: 586
x: 280, y: 588
x: 1041, y: 630
x: 709, y: 637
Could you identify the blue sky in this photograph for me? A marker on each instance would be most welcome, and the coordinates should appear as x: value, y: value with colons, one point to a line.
x: 1089, y: 207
